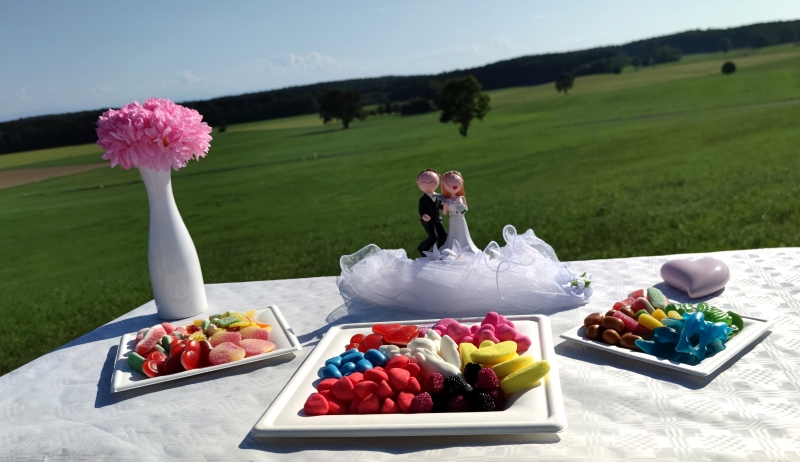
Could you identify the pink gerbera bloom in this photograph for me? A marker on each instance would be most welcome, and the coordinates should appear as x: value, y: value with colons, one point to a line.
x: 159, y: 134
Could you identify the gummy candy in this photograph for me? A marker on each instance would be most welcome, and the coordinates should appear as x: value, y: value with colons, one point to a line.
x: 494, y: 354
x: 401, y: 336
x: 135, y: 361
x: 694, y: 323
x: 525, y: 377
x: 382, y: 329
x: 512, y: 365
x: 225, y: 352
x: 223, y: 337
x: 150, y: 339
x: 254, y: 346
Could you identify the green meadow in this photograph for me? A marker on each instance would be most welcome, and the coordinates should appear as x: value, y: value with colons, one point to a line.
x: 670, y: 159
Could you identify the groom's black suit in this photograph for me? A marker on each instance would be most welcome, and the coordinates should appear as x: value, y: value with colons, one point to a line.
x: 435, y: 229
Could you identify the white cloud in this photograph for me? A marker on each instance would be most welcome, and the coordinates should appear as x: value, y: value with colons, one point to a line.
x: 189, y: 77
x: 313, y: 62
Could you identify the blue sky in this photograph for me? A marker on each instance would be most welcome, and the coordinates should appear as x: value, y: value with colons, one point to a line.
x: 59, y: 56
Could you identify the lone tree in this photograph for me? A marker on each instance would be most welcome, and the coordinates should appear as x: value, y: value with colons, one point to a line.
x: 564, y: 83
x: 462, y: 101
x: 341, y: 105
x: 728, y: 68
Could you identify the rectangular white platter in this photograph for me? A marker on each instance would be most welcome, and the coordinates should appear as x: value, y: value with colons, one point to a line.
x: 536, y: 410
x: 124, y: 378
x: 753, y: 328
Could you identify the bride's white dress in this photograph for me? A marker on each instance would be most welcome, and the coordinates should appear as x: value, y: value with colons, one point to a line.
x: 523, y: 276
x: 458, y: 231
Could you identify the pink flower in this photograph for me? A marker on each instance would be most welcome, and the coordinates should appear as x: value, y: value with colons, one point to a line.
x: 159, y: 134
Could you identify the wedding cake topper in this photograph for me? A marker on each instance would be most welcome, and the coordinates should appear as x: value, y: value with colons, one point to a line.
x: 455, y: 276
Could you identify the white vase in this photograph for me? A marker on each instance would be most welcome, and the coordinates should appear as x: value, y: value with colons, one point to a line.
x: 174, y: 267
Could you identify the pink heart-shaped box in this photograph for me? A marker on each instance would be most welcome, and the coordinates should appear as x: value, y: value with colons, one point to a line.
x: 697, y: 278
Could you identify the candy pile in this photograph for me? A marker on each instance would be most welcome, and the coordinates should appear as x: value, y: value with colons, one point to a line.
x: 428, y: 372
x: 646, y: 321
x: 166, y: 349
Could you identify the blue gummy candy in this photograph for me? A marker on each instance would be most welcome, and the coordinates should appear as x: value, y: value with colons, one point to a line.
x: 375, y: 357
x: 666, y: 335
x: 363, y: 365
x: 695, y: 324
x: 715, y: 331
x: 352, y: 358
x: 336, y: 361
x: 676, y: 324
x: 347, y: 368
x: 331, y: 372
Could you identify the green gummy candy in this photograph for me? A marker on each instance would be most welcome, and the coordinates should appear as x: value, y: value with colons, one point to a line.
x: 736, y: 320
x: 734, y: 330
x: 226, y: 321
x: 639, y: 313
x: 205, y: 325
x: 670, y: 307
x: 165, y: 342
x: 214, y: 316
x: 135, y: 361
x: 714, y: 314
x: 161, y: 349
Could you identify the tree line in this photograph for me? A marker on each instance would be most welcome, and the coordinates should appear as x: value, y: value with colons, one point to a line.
x: 415, y: 94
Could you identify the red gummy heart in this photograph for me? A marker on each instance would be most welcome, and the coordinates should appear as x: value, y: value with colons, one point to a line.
x: 401, y: 336
x: 382, y: 329
x: 190, y: 359
x: 193, y: 346
x: 373, y: 341
x: 176, y: 349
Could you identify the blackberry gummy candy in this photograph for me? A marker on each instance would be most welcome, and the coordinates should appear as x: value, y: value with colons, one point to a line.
x: 454, y: 385
x: 440, y: 402
x: 471, y: 373
x: 499, y: 399
x: 481, y: 402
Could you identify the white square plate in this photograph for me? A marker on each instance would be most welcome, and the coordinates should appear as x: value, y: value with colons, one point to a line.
x: 125, y: 378
x: 753, y: 328
x: 536, y: 410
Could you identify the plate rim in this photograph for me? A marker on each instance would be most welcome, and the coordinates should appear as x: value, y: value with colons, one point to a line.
x: 555, y: 423
x: 122, y: 350
x: 705, y: 368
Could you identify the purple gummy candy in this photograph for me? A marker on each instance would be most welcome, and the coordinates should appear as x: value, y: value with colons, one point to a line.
x: 697, y: 278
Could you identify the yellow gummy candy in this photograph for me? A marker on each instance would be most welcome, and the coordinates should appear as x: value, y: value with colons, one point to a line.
x: 525, y: 377
x: 199, y: 336
x: 494, y: 354
x: 674, y: 315
x: 250, y: 313
x: 198, y: 322
x: 512, y: 365
x: 466, y: 350
x: 486, y: 343
x: 658, y: 314
x: 649, y: 322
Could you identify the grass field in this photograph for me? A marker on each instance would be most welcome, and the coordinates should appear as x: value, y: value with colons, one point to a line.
x: 676, y: 158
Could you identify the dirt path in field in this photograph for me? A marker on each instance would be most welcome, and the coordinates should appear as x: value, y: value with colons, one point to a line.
x: 10, y: 178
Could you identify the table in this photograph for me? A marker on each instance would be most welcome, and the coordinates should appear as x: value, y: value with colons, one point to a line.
x: 59, y: 406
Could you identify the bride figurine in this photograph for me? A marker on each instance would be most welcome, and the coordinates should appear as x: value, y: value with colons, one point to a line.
x: 455, y: 205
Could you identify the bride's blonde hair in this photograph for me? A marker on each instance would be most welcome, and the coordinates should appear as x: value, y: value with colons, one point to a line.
x: 460, y: 192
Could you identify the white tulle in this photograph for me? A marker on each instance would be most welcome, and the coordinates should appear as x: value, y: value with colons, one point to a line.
x: 522, y: 276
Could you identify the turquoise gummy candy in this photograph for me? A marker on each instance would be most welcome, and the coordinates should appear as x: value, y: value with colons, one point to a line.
x: 666, y: 335
x: 715, y: 331
x: 693, y: 324
x: 676, y: 324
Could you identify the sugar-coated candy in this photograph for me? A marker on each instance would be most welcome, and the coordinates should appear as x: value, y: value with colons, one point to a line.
x: 505, y: 332
x: 389, y: 407
x: 397, y: 361
x: 398, y: 378
x: 413, y: 369
x: 491, y: 319
x: 254, y: 346
x: 465, y: 351
x: 316, y: 404
x: 484, y: 336
x: 135, y: 361
x: 344, y: 389
x: 225, y: 352
x: 375, y: 357
x: 370, y: 405
x: 638, y: 293
x: 487, y: 379
x: 468, y: 339
x: 457, y: 332
x: 225, y: 337
x: 326, y: 384
x: 337, y: 406
x: 641, y: 303
x: 363, y: 365
x: 384, y: 390
x: 523, y: 343
x: 375, y: 375
x: 150, y: 340
x: 413, y: 386
x: 254, y: 332
x: 525, y: 377
x: 512, y: 365
x: 421, y: 403
x: 656, y: 298
x: 448, y: 350
x: 494, y: 354
x: 141, y: 333
x: 364, y: 388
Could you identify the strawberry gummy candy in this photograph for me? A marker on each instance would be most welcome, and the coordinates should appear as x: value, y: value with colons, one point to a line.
x: 223, y: 337
x: 253, y: 346
x: 225, y: 353
x: 316, y: 404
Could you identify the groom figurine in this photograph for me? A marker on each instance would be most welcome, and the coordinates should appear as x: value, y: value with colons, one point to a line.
x: 429, y: 205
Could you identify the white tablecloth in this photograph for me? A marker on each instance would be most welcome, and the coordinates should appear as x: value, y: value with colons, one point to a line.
x: 59, y: 406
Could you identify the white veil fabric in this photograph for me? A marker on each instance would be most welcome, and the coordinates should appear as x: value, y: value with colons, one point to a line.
x: 524, y: 276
